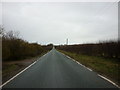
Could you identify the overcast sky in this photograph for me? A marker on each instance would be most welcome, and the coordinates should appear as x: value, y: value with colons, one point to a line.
x: 54, y: 22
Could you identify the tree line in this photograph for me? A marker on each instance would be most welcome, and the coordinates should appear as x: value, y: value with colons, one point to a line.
x: 15, y: 48
x: 108, y: 49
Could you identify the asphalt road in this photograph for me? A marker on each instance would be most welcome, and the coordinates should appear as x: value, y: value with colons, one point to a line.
x: 55, y: 70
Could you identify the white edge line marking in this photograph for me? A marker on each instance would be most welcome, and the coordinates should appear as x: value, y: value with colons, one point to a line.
x: 92, y: 70
x: 20, y: 72
x: 17, y: 74
x: 108, y: 80
x: 68, y: 56
x: 78, y: 62
x: 89, y: 69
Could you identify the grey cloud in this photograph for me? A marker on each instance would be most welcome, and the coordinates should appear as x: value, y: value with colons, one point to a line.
x: 54, y: 22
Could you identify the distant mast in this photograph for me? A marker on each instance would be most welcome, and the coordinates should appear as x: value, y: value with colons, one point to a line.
x: 67, y: 41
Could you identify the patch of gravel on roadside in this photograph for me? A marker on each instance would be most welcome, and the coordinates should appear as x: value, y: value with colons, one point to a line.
x: 18, y: 66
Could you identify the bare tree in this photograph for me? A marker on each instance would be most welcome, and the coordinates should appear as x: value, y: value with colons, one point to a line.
x: 1, y: 30
x: 12, y: 34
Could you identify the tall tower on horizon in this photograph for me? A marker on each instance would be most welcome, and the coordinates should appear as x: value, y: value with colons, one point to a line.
x: 67, y: 41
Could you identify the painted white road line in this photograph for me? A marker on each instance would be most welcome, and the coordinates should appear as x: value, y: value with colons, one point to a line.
x: 108, y: 80
x: 21, y: 72
x: 73, y: 60
x: 92, y: 70
x: 89, y: 69
x: 83, y: 66
x: 78, y: 62
x: 17, y: 74
x: 68, y: 57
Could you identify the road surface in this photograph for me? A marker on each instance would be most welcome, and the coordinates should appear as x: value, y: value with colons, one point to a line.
x: 55, y: 70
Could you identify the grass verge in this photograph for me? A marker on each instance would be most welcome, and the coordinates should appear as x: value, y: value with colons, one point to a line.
x: 106, y: 67
x: 12, y: 67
